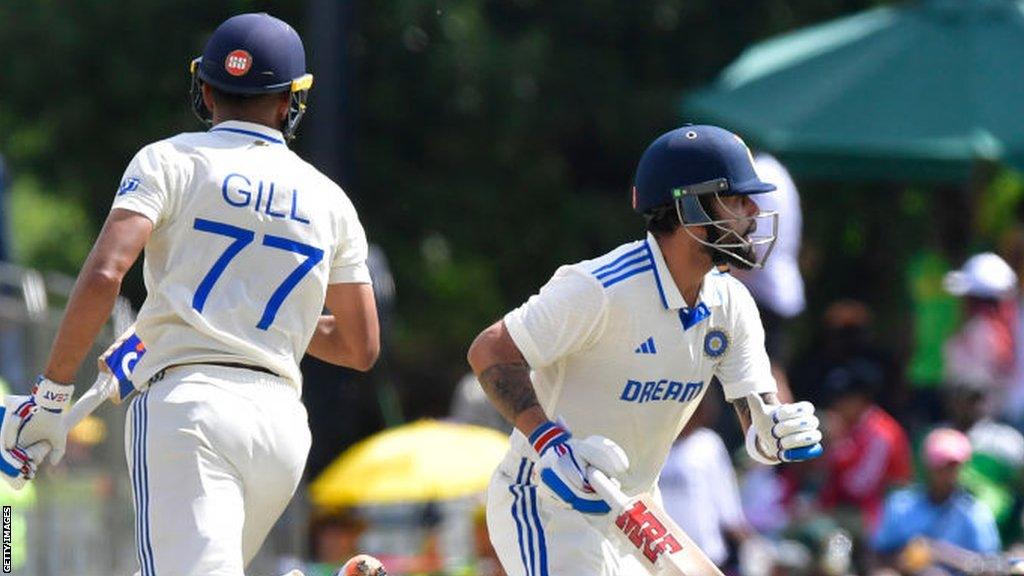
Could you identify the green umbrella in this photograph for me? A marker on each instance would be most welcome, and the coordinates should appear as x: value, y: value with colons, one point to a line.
x: 921, y: 90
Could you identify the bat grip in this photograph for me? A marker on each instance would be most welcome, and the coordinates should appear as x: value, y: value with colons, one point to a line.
x: 606, y: 488
x: 90, y: 400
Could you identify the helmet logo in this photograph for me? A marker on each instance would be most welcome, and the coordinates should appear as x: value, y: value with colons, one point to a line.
x: 238, y: 62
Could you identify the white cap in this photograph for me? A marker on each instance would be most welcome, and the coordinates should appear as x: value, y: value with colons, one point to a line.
x: 984, y: 275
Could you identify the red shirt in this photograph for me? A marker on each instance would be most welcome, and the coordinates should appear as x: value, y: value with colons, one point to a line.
x: 861, y: 465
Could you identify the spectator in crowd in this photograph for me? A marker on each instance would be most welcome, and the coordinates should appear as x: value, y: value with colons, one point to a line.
x: 700, y: 490
x: 994, y: 472
x: 4, y: 221
x: 939, y: 511
x: 846, y: 333
x: 984, y: 346
x: 1012, y: 247
x: 471, y: 406
x: 868, y: 449
x: 778, y: 288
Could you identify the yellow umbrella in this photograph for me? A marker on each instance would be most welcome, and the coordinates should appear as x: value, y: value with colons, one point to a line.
x: 418, y: 462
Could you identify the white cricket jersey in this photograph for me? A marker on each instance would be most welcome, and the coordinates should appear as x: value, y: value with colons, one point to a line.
x: 246, y: 238
x: 615, y: 351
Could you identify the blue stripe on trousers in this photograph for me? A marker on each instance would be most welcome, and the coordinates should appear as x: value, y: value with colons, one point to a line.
x: 541, y: 541
x: 526, y: 501
x: 526, y: 519
x: 519, y: 526
x: 140, y: 483
x: 136, y: 492
x: 145, y: 480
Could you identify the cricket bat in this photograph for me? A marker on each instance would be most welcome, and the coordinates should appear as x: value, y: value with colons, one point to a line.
x: 663, y: 547
x: 114, y: 379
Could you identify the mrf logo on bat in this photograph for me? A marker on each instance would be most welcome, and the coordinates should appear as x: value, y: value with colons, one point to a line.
x: 122, y: 362
x: 646, y: 532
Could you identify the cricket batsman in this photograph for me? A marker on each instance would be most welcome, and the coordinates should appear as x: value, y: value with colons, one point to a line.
x: 603, y: 367
x: 245, y: 244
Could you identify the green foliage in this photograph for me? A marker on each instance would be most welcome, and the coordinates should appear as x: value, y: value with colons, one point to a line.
x: 50, y: 232
x: 1000, y: 204
x: 86, y: 83
x: 512, y: 129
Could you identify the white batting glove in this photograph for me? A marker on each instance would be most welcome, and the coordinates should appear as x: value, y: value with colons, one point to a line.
x: 564, y: 462
x: 782, y: 432
x: 18, y: 466
x: 38, y: 418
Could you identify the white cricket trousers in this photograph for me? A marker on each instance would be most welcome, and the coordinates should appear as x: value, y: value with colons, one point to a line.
x: 214, y: 454
x: 536, y: 534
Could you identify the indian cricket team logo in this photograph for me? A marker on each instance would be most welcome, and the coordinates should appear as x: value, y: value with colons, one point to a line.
x: 238, y: 62
x: 130, y: 184
x: 715, y: 343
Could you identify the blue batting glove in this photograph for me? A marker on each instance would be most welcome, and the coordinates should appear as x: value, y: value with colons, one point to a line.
x: 564, y: 461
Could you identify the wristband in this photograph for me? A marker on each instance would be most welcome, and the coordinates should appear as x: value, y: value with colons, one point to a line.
x: 548, y: 435
x: 51, y: 396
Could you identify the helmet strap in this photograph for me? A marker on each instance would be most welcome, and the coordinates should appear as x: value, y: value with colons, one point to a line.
x: 296, y: 110
x: 195, y: 93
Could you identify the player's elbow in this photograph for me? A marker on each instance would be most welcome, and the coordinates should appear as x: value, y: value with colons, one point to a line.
x: 474, y: 356
x: 486, y: 349
x: 364, y: 358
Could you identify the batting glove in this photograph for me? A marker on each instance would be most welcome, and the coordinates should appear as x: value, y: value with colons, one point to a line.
x: 782, y: 432
x: 18, y: 466
x: 564, y: 462
x: 38, y: 418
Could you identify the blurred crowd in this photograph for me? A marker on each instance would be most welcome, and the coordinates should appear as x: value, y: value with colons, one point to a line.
x: 924, y: 464
x: 924, y: 448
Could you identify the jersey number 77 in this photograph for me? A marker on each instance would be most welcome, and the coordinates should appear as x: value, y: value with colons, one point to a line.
x: 242, y: 238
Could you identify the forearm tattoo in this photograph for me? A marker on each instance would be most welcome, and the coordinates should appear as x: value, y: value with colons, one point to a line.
x: 509, y: 388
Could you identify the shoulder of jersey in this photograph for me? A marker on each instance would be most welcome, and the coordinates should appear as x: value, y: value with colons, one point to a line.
x: 313, y: 173
x: 165, y: 151
x: 628, y: 261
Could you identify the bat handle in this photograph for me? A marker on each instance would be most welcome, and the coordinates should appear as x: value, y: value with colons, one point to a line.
x: 606, y: 488
x: 90, y: 400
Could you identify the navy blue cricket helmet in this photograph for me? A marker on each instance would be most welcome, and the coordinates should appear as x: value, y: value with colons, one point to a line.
x: 252, y: 54
x: 687, y: 169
